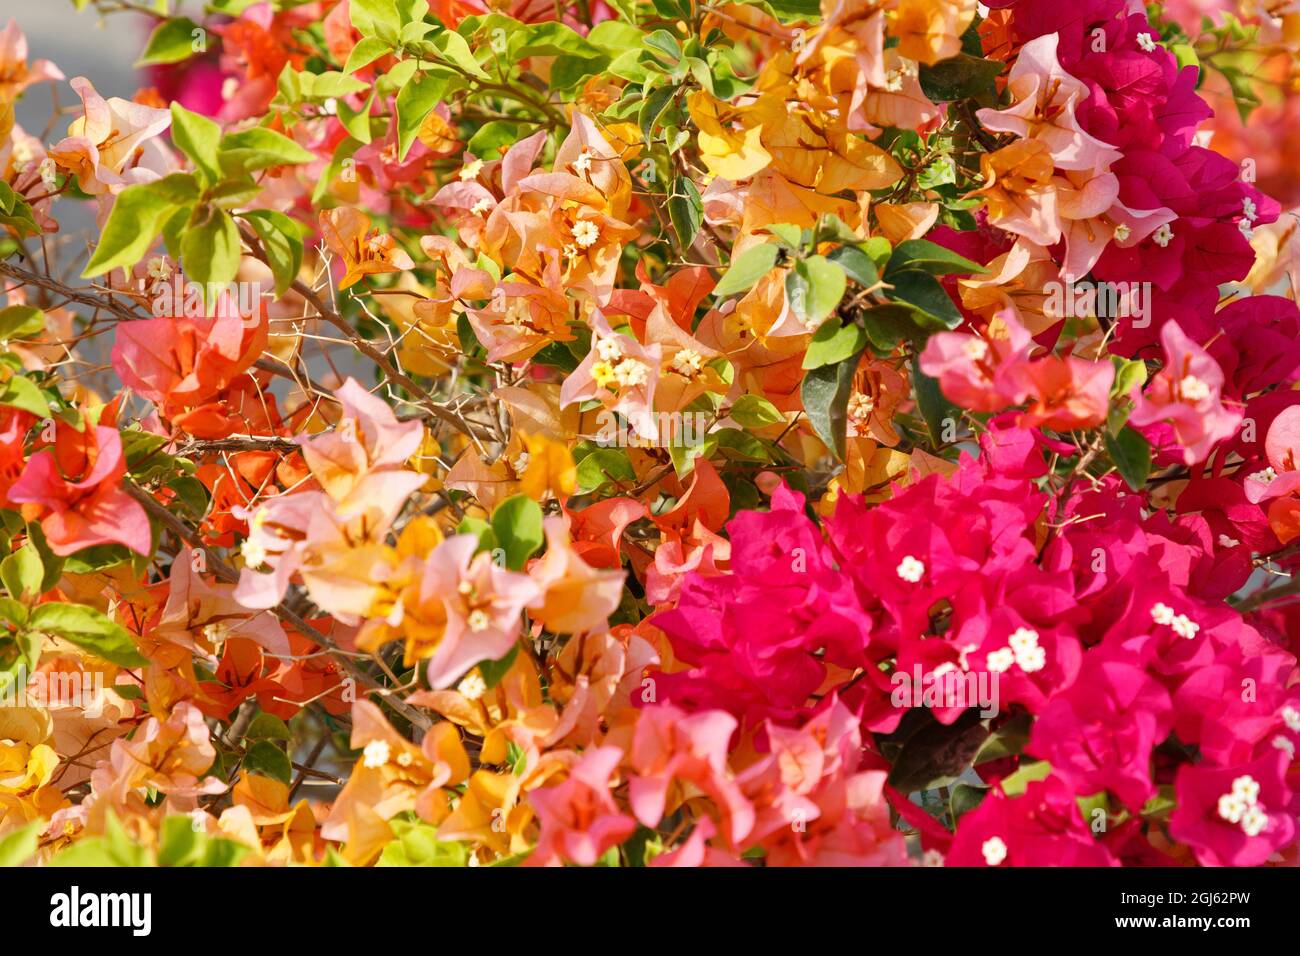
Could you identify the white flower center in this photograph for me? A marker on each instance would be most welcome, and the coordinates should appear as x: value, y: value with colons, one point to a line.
x: 910, y: 569
x: 375, y: 754
x: 687, y: 362
x: 585, y: 233
x: 1193, y: 389
x: 994, y: 850
x: 1241, y: 806
x: 1000, y: 661
x: 473, y: 686
x: 1291, y: 717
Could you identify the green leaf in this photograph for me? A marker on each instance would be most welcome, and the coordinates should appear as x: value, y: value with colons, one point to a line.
x: 746, y: 269
x: 487, y: 539
x: 890, y: 324
x: 210, y: 248
x: 602, y: 466
x: 857, y: 265
x: 754, y: 411
x: 929, y: 399
x: 833, y: 343
x: 22, y: 574
x: 455, y: 50
x: 963, y: 798
x: 18, y: 847
x: 52, y: 562
x: 136, y: 219
x: 20, y: 322
x: 376, y: 18
x: 198, y: 138
x: 342, y: 153
x: 553, y: 38
x: 686, y: 211
x: 1015, y: 784
x: 417, y: 844
x: 259, y: 148
x: 269, y: 760
x: 97, y: 558
x: 90, y: 629
x: 267, y: 727
x: 825, y: 392
x: 356, y: 122
x: 333, y: 84
x: 656, y: 103
x: 1131, y: 454
x: 814, y: 288
x: 663, y: 42
x: 788, y: 234
x: 366, y: 52
x: 180, y: 844
x: 415, y: 102
x: 925, y: 256
x: 1129, y: 374
x: 12, y: 612
x: 1009, y: 740
x: 517, y: 525
x: 282, y: 241
x: 21, y: 392
x: 171, y: 42
x: 959, y: 77
x: 924, y: 292
x: 790, y: 10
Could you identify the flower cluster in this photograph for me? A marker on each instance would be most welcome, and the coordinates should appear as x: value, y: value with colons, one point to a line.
x: 655, y: 434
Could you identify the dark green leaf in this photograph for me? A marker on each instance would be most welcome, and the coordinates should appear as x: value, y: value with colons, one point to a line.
x: 825, y: 392
x: 1131, y: 454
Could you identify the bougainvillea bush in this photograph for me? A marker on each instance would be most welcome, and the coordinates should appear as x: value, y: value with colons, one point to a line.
x: 630, y: 433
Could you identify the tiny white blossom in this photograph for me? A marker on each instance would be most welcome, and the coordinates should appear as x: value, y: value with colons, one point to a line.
x: 473, y: 686
x: 910, y: 569
x: 994, y: 850
x: 585, y: 233
x: 1001, y: 660
x: 1162, y: 613
x: 375, y: 754
x: 1291, y: 717
x: 1193, y: 389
